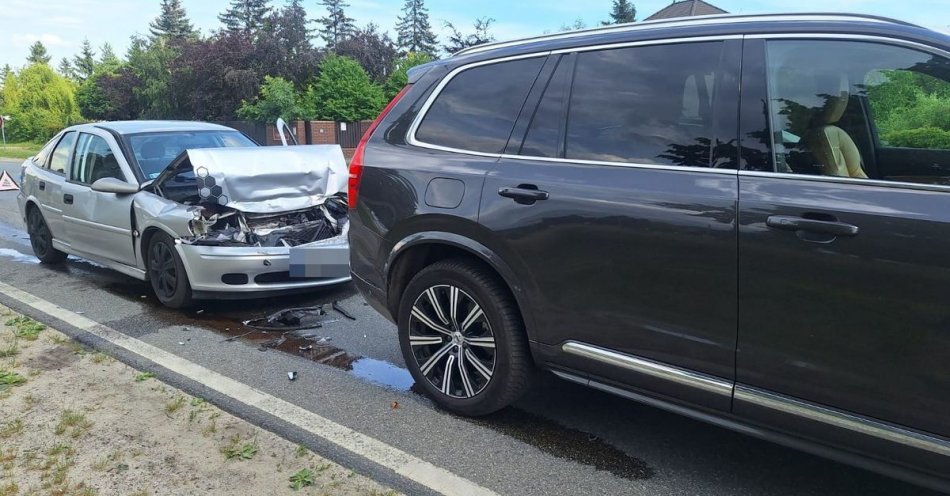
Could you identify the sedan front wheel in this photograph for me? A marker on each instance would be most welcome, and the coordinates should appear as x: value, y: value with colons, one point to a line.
x: 166, y: 272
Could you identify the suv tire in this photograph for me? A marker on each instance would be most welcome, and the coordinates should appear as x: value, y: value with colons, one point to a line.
x: 166, y: 273
x: 41, y: 239
x: 480, y: 338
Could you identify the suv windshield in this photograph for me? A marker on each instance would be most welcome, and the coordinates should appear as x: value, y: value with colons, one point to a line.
x: 154, y: 151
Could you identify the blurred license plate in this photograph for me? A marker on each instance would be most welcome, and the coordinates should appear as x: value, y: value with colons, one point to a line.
x: 320, y: 261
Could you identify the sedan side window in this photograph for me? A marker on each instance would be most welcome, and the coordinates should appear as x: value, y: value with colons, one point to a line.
x: 860, y: 110
x: 94, y: 160
x: 40, y: 158
x: 61, y: 154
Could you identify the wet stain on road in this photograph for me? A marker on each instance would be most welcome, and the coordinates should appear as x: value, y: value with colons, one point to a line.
x: 564, y: 442
x: 228, y: 320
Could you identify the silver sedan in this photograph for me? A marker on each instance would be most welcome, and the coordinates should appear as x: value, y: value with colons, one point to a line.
x: 198, y: 210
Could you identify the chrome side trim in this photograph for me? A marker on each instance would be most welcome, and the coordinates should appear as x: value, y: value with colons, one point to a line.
x: 847, y: 180
x: 636, y: 165
x: 852, y: 37
x: 665, y: 41
x: 836, y: 418
x: 649, y: 367
x: 695, y: 21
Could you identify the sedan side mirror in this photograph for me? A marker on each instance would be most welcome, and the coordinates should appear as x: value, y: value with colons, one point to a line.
x: 113, y: 185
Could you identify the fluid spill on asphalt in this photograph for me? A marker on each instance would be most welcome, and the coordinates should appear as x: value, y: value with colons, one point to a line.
x: 17, y: 256
x: 228, y: 321
x: 565, y: 442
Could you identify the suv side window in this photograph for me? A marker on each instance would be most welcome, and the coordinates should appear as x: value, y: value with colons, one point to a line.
x: 545, y: 136
x: 94, y: 160
x: 646, y: 104
x: 61, y: 153
x: 860, y: 110
x: 478, y: 108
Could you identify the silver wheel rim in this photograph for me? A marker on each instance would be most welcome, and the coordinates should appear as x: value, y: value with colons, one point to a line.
x: 452, y: 341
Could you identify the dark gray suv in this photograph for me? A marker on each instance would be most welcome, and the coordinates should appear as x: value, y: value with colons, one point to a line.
x: 743, y: 219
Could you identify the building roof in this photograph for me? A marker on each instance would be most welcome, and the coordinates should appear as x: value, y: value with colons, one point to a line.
x: 686, y: 8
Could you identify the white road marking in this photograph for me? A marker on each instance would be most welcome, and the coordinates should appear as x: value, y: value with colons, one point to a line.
x: 404, y: 464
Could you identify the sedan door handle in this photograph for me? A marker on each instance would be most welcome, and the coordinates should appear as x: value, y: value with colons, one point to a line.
x: 68, y: 199
x: 525, y: 194
x: 792, y: 223
x: 42, y: 185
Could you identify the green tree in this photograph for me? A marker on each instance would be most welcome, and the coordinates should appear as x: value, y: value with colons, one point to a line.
x: 150, y: 64
x: 343, y: 92
x: 292, y: 30
x: 578, y: 24
x: 85, y: 60
x: 336, y: 25
x: 7, y: 70
x: 459, y: 40
x: 245, y: 16
x: 278, y: 98
x: 38, y: 54
x: 172, y: 23
x: 40, y: 101
x: 107, y: 56
x: 622, y: 12
x: 399, y: 78
x: 375, y: 51
x: 66, y: 68
x: 414, y: 34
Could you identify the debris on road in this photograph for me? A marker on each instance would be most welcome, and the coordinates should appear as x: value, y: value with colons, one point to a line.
x: 292, y: 375
x: 234, y: 338
x: 394, y: 405
x: 338, y: 308
x: 290, y: 319
x: 273, y: 343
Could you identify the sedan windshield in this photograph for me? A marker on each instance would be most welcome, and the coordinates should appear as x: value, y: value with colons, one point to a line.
x: 154, y: 151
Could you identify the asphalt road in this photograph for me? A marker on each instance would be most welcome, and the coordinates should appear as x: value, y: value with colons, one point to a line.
x: 561, y: 439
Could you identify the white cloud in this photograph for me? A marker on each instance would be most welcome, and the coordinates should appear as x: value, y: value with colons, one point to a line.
x: 48, y: 39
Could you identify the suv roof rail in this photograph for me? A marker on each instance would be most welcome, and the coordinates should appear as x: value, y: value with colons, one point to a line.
x: 684, y: 21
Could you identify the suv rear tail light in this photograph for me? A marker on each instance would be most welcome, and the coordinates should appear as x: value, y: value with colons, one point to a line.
x: 356, y: 164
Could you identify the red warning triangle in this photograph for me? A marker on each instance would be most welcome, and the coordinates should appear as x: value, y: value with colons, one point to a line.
x: 7, y: 183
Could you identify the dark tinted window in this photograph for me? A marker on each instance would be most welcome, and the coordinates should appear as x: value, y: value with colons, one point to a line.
x: 859, y: 110
x: 61, y: 154
x: 478, y: 108
x: 545, y: 134
x: 649, y: 104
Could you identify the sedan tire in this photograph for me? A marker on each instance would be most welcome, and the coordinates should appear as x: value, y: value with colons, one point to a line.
x: 463, y: 338
x: 166, y: 272
x: 41, y: 239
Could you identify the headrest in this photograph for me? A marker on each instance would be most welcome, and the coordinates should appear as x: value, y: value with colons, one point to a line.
x: 837, y: 104
x: 152, y: 150
x: 815, y: 81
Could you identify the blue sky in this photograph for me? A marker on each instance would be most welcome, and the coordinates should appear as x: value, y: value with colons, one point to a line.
x: 62, y: 24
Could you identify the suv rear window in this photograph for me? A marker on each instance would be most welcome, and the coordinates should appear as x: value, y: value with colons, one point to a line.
x: 650, y: 104
x: 478, y: 108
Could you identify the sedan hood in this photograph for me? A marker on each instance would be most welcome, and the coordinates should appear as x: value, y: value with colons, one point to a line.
x: 265, y: 179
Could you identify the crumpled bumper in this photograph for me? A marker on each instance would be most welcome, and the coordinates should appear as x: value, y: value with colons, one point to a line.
x: 230, y: 269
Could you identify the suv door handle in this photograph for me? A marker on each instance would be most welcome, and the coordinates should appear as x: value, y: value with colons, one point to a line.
x: 68, y: 199
x: 42, y: 185
x: 792, y: 223
x: 525, y: 194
